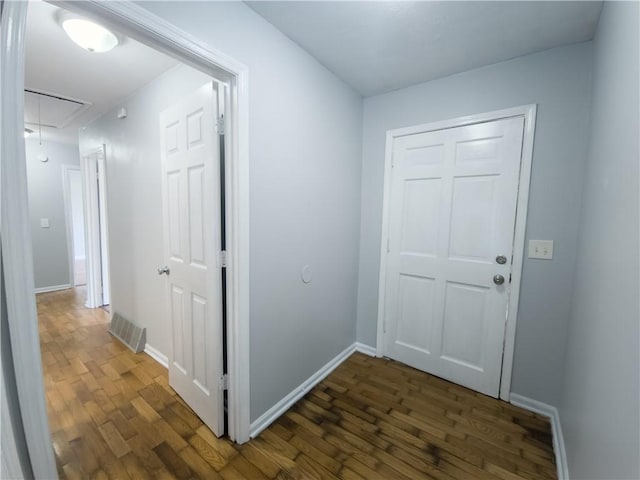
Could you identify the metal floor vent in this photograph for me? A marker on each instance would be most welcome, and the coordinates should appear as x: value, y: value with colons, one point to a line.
x: 131, y: 335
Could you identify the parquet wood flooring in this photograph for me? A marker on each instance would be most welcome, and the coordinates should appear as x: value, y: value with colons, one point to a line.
x: 113, y: 415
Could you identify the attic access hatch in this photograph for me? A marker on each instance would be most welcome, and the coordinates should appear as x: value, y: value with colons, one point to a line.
x: 55, y: 111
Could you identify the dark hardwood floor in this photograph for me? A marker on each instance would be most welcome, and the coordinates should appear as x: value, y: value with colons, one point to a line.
x: 113, y: 415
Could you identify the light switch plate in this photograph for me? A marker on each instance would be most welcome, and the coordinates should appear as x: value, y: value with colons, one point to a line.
x: 44, y: 222
x: 541, y: 249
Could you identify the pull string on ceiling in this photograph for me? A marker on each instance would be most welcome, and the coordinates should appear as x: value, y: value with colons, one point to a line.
x: 42, y: 156
x: 39, y: 124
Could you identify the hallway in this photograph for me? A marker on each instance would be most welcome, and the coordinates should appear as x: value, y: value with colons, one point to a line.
x: 113, y: 415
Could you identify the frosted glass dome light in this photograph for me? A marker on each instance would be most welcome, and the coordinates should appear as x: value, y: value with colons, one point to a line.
x: 89, y: 35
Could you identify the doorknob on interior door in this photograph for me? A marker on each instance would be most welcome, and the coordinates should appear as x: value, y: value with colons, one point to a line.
x: 498, y: 279
x: 164, y: 270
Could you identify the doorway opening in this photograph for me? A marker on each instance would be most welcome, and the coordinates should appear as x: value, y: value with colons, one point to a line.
x: 152, y: 217
x: 139, y: 24
x: 74, y: 213
x: 75, y: 223
x: 94, y: 180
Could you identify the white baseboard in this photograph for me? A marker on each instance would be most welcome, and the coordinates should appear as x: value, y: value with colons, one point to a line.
x: 297, y: 393
x: 157, y: 355
x: 53, y: 288
x: 556, y: 429
x: 366, y: 349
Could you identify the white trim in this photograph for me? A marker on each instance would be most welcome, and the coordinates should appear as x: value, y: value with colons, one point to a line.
x: 268, y: 417
x: 10, y: 465
x: 68, y: 219
x: 136, y: 22
x: 157, y: 355
x: 366, y: 349
x: 556, y: 429
x: 93, y: 252
x: 103, y: 213
x: 17, y: 255
x: 52, y: 288
x: 528, y: 112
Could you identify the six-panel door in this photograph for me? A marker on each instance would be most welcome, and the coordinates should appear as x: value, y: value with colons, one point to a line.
x: 451, y: 213
x: 191, y: 191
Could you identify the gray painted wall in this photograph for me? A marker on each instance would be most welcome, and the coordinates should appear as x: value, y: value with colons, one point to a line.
x: 305, y: 160
x: 558, y: 81
x: 600, y: 404
x: 46, y: 200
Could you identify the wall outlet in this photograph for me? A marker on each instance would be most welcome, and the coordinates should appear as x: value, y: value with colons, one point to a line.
x: 44, y: 222
x: 541, y: 249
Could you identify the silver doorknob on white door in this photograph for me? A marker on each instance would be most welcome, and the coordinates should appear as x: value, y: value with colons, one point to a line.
x: 498, y: 279
x: 164, y: 270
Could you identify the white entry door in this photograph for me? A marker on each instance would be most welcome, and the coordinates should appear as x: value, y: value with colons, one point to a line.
x: 191, y: 191
x: 452, y: 216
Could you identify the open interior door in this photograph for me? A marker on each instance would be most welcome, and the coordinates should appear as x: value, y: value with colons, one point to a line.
x: 191, y: 196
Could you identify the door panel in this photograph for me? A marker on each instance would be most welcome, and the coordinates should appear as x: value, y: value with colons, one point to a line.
x: 178, y: 327
x: 452, y: 211
x: 104, y: 240
x: 191, y: 186
x: 173, y: 204
x: 421, y: 200
x: 464, y: 314
x: 473, y: 218
x: 416, y: 298
x: 196, y: 217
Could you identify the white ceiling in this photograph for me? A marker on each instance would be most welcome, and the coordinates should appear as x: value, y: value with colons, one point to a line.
x: 377, y: 47
x: 374, y: 46
x: 56, y: 65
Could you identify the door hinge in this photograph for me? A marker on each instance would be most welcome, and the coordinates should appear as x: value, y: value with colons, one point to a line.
x: 223, y: 383
x: 220, y: 124
x: 222, y: 259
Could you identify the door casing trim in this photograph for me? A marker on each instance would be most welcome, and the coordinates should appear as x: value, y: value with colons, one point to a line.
x: 19, y: 309
x: 528, y: 112
x: 93, y: 225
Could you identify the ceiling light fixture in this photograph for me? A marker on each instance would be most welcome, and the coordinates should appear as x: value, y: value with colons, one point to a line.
x: 27, y: 132
x: 87, y: 34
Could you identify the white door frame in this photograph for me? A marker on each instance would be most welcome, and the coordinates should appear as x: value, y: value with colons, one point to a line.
x: 68, y: 217
x: 136, y: 22
x: 96, y: 228
x: 528, y: 112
